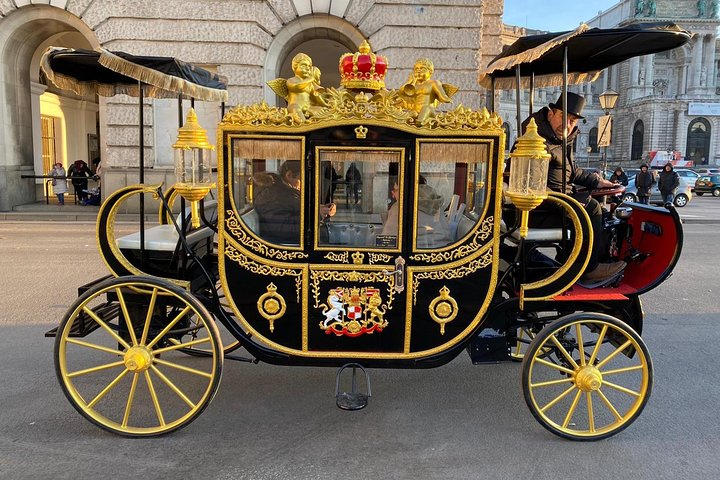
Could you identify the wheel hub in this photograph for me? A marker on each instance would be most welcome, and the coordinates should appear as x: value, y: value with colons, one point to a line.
x: 138, y: 359
x: 588, y: 378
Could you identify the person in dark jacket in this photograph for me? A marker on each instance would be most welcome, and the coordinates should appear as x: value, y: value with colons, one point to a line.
x: 277, y: 204
x: 668, y: 183
x: 80, y: 172
x: 550, y: 126
x: 620, y: 177
x: 644, y: 182
x: 353, y: 181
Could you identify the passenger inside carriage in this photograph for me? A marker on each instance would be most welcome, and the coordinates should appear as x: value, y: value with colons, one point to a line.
x: 277, y: 203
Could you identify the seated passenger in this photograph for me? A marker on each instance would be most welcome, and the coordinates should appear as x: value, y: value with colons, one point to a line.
x: 432, y: 223
x: 277, y: 203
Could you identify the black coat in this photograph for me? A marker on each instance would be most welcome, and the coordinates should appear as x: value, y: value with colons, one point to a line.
x: 668, y: 182
x: 82, y: 171
x: 573, y: 174
x: 644, y: 182
x: 278, y: 209
x: 622, y: 179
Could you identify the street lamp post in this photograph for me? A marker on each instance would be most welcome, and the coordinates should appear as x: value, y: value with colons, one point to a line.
x: 608, y: 99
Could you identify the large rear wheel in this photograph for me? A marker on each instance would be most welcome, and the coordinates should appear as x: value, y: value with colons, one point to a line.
x: 128, y: 373
x: 587, y: 376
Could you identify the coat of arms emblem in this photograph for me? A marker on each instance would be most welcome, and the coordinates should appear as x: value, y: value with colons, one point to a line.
x: 353, y: 312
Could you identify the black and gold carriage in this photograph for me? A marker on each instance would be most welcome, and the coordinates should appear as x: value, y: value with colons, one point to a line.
x: 358, y: 227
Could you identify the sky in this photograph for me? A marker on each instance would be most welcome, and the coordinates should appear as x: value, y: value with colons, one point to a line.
x: 564, y: 14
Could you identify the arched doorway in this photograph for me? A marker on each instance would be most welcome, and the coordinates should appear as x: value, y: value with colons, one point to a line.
x: 323, y: 37
x: 593, y: 140
x: 25, y: 33
x: 698, y: 141
x: 638, y: 134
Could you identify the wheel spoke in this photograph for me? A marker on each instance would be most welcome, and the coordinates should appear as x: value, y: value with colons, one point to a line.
x: 623, y: 370
x: 613, y: 354
x: 126, y: 315
x: 131, y: 398
x: 183, y: 368
x: 581, y: 347
x: 622, y: 389
x: 82, y: 343
x: 177, y: 345
x: 98, y: 368
x: 555, y: 366
x: 552, y: 382
x: 169, y: 326
x: 571, y: 411
x: 148, y: 317
x: 558, y: 398
x: 104, y: 325
x: 155, y: 400
x: 173, y: 387
x: 609, y: 405
x: 105, y: 390
x: 598, y: 344
x: 591, y: 414
x: 563, y: 351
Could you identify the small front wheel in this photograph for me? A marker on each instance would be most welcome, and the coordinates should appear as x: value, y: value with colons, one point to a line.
x: 587, y: 376
x: 716, y: 192
x: 681, y: 200
x: 126, y: 373
x: 629, y: 198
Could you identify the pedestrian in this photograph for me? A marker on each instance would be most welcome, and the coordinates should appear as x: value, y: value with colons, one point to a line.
x: 353, y: 181
x: 644, y: 182
x: 79, y: 173
x: 668, y: 183
x: 59, y: 182
x: 619, y: 176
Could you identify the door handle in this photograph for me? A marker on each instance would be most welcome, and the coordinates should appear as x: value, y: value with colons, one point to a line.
x: 398, y: 274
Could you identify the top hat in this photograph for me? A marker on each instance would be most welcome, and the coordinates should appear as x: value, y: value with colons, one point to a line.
x: 575, y: 104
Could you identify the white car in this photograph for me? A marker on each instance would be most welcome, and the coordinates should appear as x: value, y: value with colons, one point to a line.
x: 683, y: 196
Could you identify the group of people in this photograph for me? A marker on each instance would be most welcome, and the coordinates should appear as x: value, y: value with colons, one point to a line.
x: 79, y: 173
x: 668, y: 182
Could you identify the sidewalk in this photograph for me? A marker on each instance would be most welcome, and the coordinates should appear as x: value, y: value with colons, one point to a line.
x: 41, y: 212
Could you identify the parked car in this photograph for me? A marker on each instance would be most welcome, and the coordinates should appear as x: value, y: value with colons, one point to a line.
x: 707, y: 170
x: 683, y: 196
x: 708, y: 184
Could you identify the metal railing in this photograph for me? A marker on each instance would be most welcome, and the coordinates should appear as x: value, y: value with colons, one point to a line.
x: 50, y: 178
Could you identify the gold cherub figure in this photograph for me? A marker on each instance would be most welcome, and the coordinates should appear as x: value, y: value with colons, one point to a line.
x: 422, y: 94
x: 303, y: 91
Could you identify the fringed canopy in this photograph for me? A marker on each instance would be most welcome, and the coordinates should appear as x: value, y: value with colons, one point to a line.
x: 105, y: 73
x: 276, y: 149
x: 590, y: 50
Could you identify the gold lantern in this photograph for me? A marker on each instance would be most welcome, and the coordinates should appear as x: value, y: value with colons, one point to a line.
x: 192, y: 164
x: 528, y: 174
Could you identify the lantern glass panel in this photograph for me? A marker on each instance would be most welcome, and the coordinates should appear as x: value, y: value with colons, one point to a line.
x: 528, y: 176
x: 192, y: 166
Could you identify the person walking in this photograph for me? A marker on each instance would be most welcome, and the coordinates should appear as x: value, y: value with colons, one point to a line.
x: 59, y: 182
x: 79, y: 172
x: 644, y: 182
x: 668, y: 183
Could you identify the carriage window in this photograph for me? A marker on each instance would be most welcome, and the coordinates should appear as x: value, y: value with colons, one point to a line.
x: 267, y: 187
x: 451, y: 185
x: 358, y: 198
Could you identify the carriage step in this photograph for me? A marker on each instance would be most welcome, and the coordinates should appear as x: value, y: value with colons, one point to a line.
x: 354, y: 399
x: 86, y: 325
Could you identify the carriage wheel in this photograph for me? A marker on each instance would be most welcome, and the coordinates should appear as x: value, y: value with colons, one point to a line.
x: 127, y: 373
x: 587, y: 376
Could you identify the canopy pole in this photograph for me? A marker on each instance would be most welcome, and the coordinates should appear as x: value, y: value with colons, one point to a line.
x: 532, y: 92
x: 180, y: 124
x: 564, y: 116
x: 517, y: 101
x: 141, y: 141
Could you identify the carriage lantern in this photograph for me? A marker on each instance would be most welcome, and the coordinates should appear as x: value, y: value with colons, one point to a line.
x: 528, y: 174
x: 192, y: 164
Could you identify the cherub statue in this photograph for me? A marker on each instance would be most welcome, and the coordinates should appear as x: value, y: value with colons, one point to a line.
x: 303, y: 91
x: 422, y: 94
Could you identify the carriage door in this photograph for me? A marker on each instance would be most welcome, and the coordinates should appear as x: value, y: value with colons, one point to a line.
x: 356, y: 291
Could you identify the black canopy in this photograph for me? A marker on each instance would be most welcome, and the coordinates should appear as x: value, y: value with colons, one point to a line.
x: 108, y: 73
x: 590, y: 50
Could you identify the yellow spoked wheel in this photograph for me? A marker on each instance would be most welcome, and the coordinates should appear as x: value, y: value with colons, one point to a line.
x: 587, y: 376
x: 127, y: 372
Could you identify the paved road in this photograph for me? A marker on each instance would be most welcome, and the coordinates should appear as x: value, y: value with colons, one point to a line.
x: 456, y: 422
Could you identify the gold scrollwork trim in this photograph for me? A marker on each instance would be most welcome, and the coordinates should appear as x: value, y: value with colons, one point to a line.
x: 233, y: 225
x: 486, y: 228
x: 317, y: 276
x: 267, y: 270
x: 443, y: 309
x: 338, y: 257
x: 379, y: 258
x: 451, y: 273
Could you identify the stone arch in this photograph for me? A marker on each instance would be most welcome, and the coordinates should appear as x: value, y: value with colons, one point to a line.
x: 698, y: 141
x: 23, y: 33
x: 637, y: 141
x: 302, y: 30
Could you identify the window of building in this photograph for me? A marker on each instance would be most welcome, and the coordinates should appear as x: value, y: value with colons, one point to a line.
x: 698, y: 141
x: 636, y: 150
x: 49, y: 155
x: 506, y: 127
x: 593, y: 140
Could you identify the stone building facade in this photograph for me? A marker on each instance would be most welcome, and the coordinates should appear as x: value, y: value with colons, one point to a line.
x: 247, y: 41
x: 668, y: 101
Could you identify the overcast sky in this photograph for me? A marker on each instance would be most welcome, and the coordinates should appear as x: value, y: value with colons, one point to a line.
x: 553, y: 15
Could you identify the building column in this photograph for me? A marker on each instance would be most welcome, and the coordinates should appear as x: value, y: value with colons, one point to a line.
x: 696, y: 63
x: 710, y: 62
x: 649, y: 63
x: 37, y: 89
x: 682, y: 84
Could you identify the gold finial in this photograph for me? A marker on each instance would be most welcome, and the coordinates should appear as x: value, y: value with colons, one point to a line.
x: 192, y: 135
x: 364, y: 47
x: 531, y: 144
x: 361, y: 132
